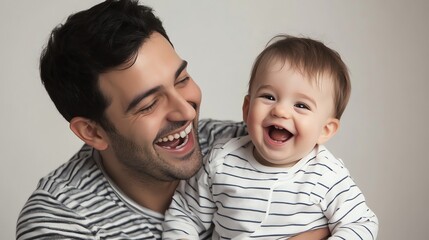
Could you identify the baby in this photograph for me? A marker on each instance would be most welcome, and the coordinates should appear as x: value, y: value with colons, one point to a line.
x: 279, y: 180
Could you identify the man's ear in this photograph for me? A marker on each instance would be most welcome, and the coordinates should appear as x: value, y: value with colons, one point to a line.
x: 245, y: 107
x: 329, y: 129
x: 89, y: 132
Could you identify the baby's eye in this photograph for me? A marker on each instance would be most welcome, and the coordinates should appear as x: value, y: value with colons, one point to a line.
x: 268, y: 96
x: 302, y: 106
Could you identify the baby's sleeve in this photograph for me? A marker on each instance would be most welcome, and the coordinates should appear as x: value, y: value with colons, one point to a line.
x: 345, y: 207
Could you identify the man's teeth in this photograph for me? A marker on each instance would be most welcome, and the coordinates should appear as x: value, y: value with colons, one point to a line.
x: 181, y: 134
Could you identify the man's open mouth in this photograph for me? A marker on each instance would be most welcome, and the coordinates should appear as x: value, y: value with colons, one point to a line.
x: 175, y: 140
x: 279, y: 134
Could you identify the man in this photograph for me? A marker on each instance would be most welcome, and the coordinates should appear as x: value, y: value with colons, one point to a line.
x: 115, y: 77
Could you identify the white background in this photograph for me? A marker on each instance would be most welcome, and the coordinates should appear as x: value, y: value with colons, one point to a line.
x: 384, y: 132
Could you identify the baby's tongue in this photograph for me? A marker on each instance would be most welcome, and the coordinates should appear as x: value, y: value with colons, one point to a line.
x: 279, y: 134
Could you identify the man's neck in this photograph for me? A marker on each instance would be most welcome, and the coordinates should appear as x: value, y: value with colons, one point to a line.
x: 153, y: 194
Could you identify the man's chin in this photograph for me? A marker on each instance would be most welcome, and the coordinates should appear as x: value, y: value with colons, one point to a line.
x: 188, y: 165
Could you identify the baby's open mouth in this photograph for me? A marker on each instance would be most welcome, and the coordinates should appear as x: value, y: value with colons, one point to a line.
x: 175, y: 140
x: 279, y: 134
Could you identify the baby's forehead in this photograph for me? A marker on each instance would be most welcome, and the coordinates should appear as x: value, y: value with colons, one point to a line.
x: 318, y: 76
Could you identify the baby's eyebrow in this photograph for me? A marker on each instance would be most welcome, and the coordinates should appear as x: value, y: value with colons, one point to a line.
x: 266, y: 86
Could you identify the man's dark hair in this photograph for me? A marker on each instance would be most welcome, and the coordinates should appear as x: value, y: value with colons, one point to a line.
x: 89, y: 43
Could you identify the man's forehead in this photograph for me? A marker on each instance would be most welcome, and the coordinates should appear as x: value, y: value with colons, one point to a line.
x: 155, y: 56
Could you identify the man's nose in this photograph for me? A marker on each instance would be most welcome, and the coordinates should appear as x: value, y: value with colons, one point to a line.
x: 180, y: 108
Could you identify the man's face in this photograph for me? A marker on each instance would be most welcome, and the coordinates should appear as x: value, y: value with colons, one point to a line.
x: 154, y: 109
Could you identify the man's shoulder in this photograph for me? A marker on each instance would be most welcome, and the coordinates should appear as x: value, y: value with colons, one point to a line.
x: 211, y: 130
x: 59, y: 197
x: 219, y: 125
x: 71, y: 183
x: 77, y: 200
x: 73, y: 174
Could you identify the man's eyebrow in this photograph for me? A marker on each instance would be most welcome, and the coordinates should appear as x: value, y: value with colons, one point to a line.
x: 141, y: 96
x: 180, y: 69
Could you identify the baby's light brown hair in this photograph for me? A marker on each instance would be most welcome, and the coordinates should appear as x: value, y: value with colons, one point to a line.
x: 313, y: 59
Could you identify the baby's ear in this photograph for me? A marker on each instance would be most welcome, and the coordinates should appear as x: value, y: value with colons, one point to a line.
x: 329, y: 129
x: 89, y: 132
x: 245, y: 108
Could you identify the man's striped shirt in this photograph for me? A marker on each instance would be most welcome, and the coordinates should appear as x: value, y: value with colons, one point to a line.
x: 79, y: 201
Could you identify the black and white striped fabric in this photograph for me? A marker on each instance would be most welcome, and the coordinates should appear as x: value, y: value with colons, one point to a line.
x: 247, y: 200
x: 78, y: 200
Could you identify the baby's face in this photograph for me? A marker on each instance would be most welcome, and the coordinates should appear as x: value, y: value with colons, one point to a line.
x: 287, y: 114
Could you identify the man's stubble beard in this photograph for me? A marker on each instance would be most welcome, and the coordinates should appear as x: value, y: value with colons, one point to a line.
x: 144, y: 163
